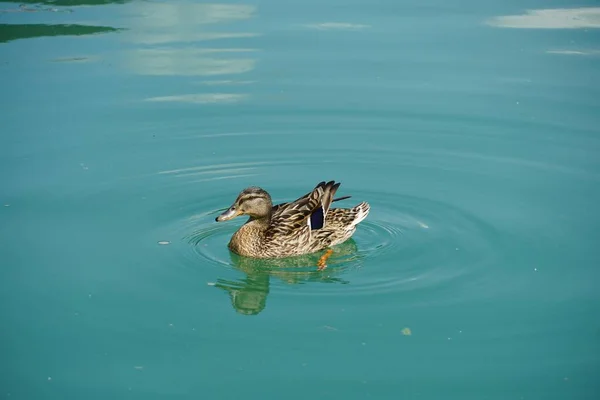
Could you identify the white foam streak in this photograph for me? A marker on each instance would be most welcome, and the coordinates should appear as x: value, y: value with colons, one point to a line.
x: 201, y: 98
x: 327, y: 26
x: 559, y: 18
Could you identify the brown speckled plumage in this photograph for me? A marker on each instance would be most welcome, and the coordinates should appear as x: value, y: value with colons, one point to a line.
x: 285, y: 229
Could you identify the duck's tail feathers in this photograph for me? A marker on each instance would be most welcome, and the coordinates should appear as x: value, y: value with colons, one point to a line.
x: 361, y: 210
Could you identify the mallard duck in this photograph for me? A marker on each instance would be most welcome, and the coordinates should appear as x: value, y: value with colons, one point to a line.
x: 303, y: 226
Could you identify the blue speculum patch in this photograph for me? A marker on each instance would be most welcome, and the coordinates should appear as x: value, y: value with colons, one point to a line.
x: 317, y: 219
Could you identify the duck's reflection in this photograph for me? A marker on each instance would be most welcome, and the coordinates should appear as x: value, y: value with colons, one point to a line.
x: 249, y: 295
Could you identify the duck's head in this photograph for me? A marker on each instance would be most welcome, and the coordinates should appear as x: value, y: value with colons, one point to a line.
x: 253, y: 201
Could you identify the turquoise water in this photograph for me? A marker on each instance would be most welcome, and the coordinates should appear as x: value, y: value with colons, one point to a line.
x: 472, y: 129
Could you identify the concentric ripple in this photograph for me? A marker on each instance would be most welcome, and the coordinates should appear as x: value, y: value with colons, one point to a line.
x: 406, y: 244
x: 433, y: 244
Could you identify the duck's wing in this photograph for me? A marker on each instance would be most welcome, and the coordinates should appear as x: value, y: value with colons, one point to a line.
x: 309, y: 211
x: 278, y: 207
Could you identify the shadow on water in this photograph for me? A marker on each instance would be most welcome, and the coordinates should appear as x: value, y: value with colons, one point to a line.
x: 73, y: 3
x: 249, y: 295
x: 10, y: 32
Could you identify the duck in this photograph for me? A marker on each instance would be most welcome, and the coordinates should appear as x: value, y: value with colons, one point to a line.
x: 306, y: 225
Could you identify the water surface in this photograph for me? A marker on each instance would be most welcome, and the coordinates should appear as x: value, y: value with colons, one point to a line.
x: 472, y: 130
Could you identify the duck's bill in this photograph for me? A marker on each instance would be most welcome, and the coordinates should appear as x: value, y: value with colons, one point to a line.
x: 227, y: 215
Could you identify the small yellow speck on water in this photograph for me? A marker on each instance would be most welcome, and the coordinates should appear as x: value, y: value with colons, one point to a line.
x: 164, y: 242
x: 406, y: 332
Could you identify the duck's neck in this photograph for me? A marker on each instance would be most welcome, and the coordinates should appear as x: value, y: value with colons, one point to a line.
x: 247, y: 241
x: 260, y: 222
